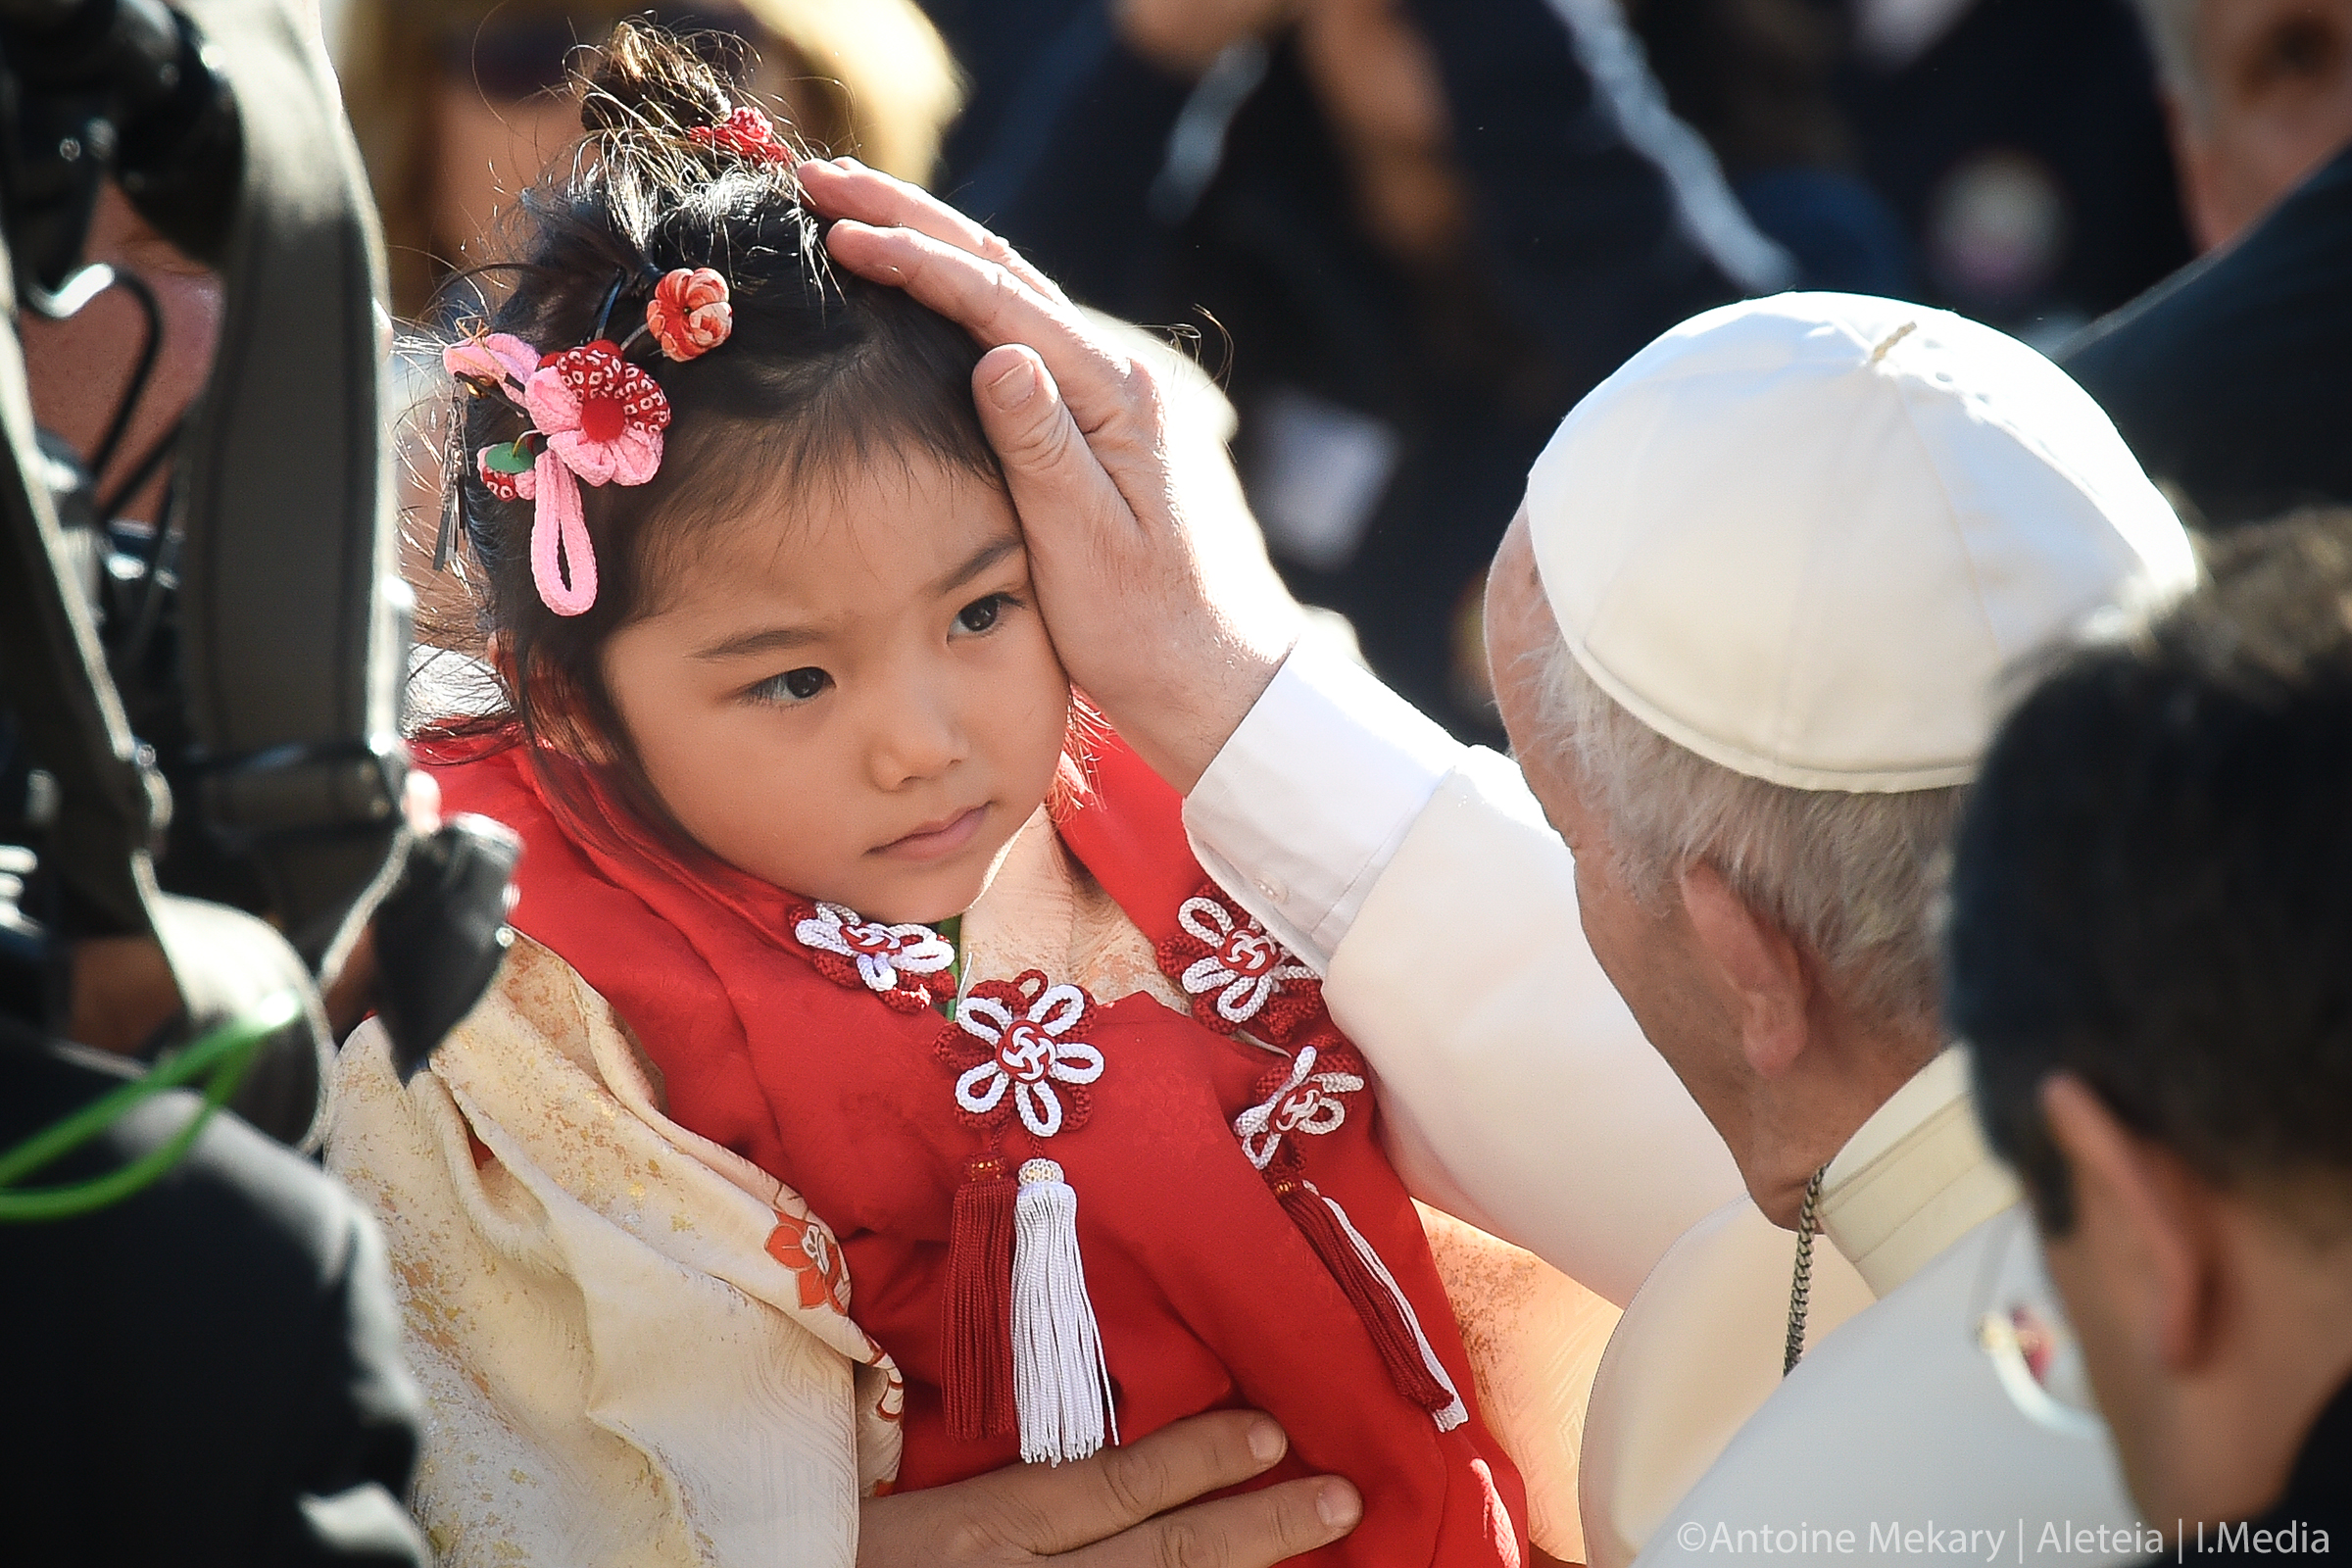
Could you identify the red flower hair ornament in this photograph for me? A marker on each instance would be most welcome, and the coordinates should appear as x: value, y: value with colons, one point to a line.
x: 745, y: 132
x: 689, y: 313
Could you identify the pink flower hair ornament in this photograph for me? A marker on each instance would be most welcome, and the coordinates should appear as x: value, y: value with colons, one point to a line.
x: 595, y: 417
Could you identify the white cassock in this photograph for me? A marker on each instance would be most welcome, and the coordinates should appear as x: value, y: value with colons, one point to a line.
x: 1518, y: 1094
x: 1893, y: 1436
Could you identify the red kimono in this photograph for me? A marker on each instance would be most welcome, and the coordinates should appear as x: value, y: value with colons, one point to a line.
x: 1244, y: 1241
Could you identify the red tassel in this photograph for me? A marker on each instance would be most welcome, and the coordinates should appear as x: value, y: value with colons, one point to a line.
x: 1400, y: 1348
x: 976, y: 1329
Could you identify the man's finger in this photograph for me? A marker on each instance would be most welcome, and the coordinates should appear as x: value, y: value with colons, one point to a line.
x: 1073, y: 1505
x: 995, y: 307
x: 1054, y: 476
x: 844, y: 187
x: 1256, y: 1529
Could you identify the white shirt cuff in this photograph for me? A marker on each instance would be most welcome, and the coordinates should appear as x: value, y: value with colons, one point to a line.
x: 1303, y: 809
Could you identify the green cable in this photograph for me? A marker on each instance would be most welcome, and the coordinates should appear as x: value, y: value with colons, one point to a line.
x: 228, y: 1052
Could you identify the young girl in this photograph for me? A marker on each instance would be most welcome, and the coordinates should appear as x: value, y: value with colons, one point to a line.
x: 853, y: 955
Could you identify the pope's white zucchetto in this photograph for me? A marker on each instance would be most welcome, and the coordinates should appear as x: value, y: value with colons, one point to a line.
x: 1805, y: 536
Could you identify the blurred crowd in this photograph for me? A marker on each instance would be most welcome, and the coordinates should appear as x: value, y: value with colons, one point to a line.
x: 1406, y: 235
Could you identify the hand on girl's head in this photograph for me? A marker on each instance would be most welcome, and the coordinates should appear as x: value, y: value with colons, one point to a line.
x: 847, y: 691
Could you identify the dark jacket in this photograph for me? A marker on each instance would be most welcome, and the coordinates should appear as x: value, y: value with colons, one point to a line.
x: 2228, y: 378
x: 208, y: 1372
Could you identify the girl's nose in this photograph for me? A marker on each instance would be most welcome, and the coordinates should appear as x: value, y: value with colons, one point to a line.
x: 917, y: 735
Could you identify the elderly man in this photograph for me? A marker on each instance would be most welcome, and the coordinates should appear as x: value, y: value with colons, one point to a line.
x: 1750, y: 670
x: 1746, y: 634
x: 2226, y: 378
x: 2150, y: 962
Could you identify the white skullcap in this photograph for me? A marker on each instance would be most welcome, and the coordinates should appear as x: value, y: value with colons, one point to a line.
x: 1803, y: 536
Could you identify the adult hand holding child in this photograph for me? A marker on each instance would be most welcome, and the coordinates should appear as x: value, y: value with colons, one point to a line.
x: 1114, y: 1511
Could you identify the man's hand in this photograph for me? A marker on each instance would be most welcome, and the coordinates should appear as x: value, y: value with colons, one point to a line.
x: 1111, y: 1511
x: 1151, y: 572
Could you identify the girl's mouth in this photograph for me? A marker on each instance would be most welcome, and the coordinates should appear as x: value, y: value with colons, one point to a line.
x: 935, y: 840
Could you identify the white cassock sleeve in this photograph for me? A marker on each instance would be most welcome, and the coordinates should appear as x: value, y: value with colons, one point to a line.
x: 1420, y: 877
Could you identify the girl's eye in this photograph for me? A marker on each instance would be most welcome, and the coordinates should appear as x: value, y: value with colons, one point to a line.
x: 980, y: 614
x: 793, y: 686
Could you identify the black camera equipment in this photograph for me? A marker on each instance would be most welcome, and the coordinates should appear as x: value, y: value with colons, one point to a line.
x: 245, y: 652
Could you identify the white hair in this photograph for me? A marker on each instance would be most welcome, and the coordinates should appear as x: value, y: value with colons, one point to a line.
x: 1854, y: 878
x: 2171, y: 29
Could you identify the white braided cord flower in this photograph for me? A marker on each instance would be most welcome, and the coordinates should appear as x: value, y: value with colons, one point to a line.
x: 883, y: 954
x: 1244, y: 967
x: 1306, y: 1103
x: 1031, y: 1055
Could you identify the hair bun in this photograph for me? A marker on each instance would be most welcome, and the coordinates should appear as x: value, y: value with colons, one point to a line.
x: 649, y: 80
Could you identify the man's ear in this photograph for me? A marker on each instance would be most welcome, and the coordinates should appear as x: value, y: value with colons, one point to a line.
x: 1758, y: 964
x: 2141, y: 1218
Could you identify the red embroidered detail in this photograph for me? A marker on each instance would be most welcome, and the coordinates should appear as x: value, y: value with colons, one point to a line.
x: 910, y: 967
x: 1301, y: 1100
x: 1235, y: 972
x: 809, y: 1249
x: 1014, y: 1053
x: 748, y: 133
x: 613, y: 394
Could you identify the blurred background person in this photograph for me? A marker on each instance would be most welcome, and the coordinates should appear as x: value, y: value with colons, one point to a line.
x: 2151, y: 902
x: 2002, y: 158
x: 2022, y: 146
x: 2227, y: 379
x: 2258, y: 95
x: 1413, y: 234
x: 457, y: 103
x: 1759, y: 80
x: 2014, y: 147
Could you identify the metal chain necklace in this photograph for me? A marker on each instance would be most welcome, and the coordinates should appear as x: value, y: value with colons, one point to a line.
x: 1800, y: 1283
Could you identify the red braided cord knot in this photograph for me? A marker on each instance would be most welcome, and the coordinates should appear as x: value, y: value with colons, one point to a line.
x: 1235, y: 972
x: 1302, y: 1097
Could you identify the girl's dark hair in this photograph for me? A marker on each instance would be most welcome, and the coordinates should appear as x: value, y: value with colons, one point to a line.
x: 822, y: 373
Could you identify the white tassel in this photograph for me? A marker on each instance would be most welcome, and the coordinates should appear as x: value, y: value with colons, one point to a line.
x: 1455, y: 1414
x: 1061, y: 1383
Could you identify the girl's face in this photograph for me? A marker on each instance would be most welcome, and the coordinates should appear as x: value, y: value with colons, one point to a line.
x: 849, y: 694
